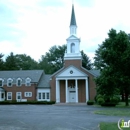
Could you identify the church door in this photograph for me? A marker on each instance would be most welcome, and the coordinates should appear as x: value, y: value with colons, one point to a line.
x: 72, y: 96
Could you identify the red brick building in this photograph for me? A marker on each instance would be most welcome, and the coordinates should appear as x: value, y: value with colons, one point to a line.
x: 72, y: 83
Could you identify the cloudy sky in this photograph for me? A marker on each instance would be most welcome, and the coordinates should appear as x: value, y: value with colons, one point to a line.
x: 33, y: 26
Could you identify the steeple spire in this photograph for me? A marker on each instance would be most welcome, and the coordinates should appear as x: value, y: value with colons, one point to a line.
x: 73, y: 25
x: 73, y: 19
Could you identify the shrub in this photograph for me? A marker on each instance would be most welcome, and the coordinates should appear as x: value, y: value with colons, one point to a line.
x: 100, y: 101
x: 108, y: 104
x: 115, y: 100
x: 90, y: 102
x: 98, y: 96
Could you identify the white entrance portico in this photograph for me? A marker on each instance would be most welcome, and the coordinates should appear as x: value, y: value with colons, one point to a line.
x: 73, y: 86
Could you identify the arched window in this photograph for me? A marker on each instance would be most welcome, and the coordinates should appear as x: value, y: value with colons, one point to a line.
x: 9, y: 82
x: 28, y: 82
x: 72, y: 48
x: 19, y: 82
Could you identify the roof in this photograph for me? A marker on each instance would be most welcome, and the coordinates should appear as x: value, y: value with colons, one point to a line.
x: 44, y: 81
x: 2, y: 90
x: 95, y: 73
x: 73, y: 19
x: 34, y: 75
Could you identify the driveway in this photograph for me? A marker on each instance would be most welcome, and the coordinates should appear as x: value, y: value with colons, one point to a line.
x: 51, y: 117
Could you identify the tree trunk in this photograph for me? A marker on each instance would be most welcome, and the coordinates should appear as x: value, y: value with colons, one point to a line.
x: 126, y: 98
x: 122, y: 97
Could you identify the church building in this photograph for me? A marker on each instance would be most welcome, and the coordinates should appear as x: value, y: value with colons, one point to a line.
x: 71, y: 84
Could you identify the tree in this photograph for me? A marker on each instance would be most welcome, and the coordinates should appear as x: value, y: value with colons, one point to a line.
x: 53, y: 60
x: 11, y: 63
x: 1, y: 62
x: 20, y: 61
x: 86, y: 62
x: 113, y: 58
x: 25, y: 62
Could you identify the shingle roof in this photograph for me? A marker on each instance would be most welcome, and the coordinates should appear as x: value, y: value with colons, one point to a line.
x: 23, y: 74
x: 2, y: 90
x: 73, y: 19
x: 95, y: 72
x: 44, y: 81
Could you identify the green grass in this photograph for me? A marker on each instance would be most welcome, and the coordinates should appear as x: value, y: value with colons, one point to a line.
x: 113, y: 112
x: 110, y: 126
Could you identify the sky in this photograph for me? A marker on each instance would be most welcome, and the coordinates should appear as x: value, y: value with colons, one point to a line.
x: 32, y: 27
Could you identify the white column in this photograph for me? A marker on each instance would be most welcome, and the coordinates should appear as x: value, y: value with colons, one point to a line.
x: 87, y: 91
x: 57, y: 91
x: 66, y: 90
x: 0, y: 95
x: 76, y: 87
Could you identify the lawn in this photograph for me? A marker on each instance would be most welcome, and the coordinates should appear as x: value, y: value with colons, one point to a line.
x: 113, y: 112
x: 110, y: 126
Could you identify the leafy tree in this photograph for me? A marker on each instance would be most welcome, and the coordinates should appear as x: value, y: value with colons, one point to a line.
x: 11, y: 63
x: 26, y: 62
x: 1, y: 62
x: 20, y: 61
x: 113, y: 58
x: 86, y: 62
x: 53, y: 60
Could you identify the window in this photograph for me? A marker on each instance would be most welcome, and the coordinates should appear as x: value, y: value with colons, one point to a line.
x: 43, y: 95
x: 19, y: 82
x: 28, y: 94
x: 28, y: 82
x: 9, y: 95
x: 72, y: 48
x: 39, y: 95
x: 1, y: 82
x: 48, y: 96
x: 9, y: 82
x: 18, y: 95
x: 2, y: 95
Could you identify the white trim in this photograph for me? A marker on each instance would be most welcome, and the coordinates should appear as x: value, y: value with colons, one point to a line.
x: 19, y: 95
x: 87, y: 90
x: 27, y: 94
x: 28, y: 81
x: 57, y: 91
x: 9, y: 79
x: 20, y: 82
x: 66, y: 90
x: 8, y: 95
x: 76, y: 87
x: 2, y: 82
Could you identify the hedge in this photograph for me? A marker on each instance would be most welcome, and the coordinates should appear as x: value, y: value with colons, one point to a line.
x: 28, y: 102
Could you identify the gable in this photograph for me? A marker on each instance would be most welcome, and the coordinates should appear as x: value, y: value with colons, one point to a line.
x: 71, y: 71
x: 72, y: 37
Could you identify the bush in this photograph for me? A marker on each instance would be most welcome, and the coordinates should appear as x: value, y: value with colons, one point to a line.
x: 100, y: 101
x: 115, y: 100
x: 90, y: 102
x: 28, y: 102
x: 97, y: 97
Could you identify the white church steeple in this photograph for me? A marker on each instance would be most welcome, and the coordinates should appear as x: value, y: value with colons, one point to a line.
x: 73, y: 26
x: 73, y: 42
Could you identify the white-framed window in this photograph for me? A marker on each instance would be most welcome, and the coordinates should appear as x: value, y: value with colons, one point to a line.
x: 1, y: 82
x: 28, y: 94
x: 19, y: 82
x: 44, y: 95
x: 28, y: 82
x: 39, y: 96
x: 9, y: 95
x: 18, y: 95
x: 47, y: 95
x: 9, y: 82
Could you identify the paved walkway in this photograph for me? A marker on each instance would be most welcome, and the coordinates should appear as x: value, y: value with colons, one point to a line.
x: 52, y: 117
